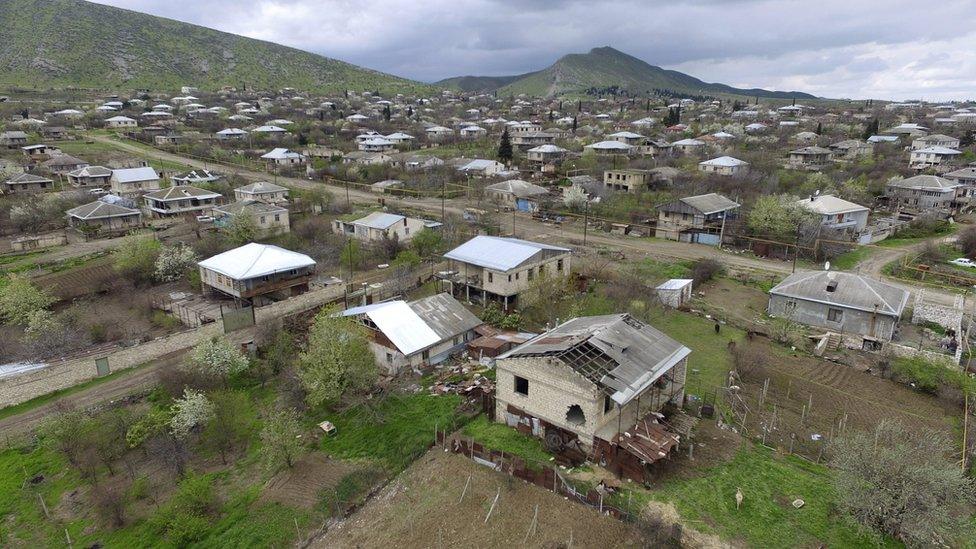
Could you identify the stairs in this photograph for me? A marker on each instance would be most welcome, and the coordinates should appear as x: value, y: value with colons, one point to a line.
x: 828, y: 342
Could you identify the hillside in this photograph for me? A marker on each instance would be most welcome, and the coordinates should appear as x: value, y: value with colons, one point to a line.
x: 62, y: 43
x: 474, y: 84
x: 605, y: 67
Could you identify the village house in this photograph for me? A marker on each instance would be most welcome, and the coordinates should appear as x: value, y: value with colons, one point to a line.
x: 121, y: 122
x: 609, y: 148
x: 528, y: 140
x: 628, y: 180
x: 836, y: 213
x: 229, y: 134
x: 850, y: 149
x: 929, y: 157
x: 90, y: 176
x: 839, y: 302
x: 922, y: 194
x: 688, y: 146
x: 417, y: 334
x: 516, y: 194
x: 262, y: 191
x: 27, y: 183
x: 281, y: 157
x: 62, y: 164
x: 724, y: 165
x: 39, y: 151
x: 379, y: 226
x: 809, y: 158
x: 473, y: 132
x: 181, y: 200
x: 413, y: 161
x: 366, y: 158
x: 437, y: 133
x: 269, y: 219
x: 935, y: 140
x: 545, y: 154
x: 195, y: 177
x: 699, y: 219
x: 13, y: 139
x: 653, y: 147
x: 134, y: 182
x: 259, y: 273
x: 376, y: 144
x: 597, y: 385
x: 497, y: 269
x: 103, y: 218
x: 479, y: 167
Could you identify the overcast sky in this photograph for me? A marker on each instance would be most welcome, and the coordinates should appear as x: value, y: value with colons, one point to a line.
x: 888, y: 49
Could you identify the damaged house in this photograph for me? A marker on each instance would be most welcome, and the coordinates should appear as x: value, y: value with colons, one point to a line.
x: 596, y: 386
x: 416, y: 334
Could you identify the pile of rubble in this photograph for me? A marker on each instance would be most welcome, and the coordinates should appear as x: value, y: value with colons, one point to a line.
x: 465, y: 379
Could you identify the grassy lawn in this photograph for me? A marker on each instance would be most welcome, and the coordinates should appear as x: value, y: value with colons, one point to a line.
x: 849, y: 260
x: 498, y: 436
x: 393, y: 431
x: 710, y: 354
x: 769, y: 484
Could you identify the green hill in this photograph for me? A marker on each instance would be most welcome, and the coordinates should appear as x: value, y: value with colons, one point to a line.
x: 71, y: 43
x: 602, y: 68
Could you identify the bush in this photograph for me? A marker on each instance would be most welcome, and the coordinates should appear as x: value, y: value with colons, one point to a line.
x: 136, y: 258
x: 704, y: 270
x: 932, y: 377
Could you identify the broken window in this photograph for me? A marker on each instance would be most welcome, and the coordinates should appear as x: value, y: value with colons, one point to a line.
x: 835, y: 315
x: 575, y: 416
x: 607, y: 404
x: 521, y: 386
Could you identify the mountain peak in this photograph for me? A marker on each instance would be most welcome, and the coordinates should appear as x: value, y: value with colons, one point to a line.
x: 606, y: 67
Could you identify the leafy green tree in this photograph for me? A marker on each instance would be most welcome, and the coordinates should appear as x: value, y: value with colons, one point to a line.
x: 230, y: 426
x: 336, y: 359
x: 136, y: 258
x: 406, y: 258
x: 427, y: 242
x: 505, y: 153
x: 281, y: 439
x: 351, y: 255
x: 241, y: 230
x: 20, y: 300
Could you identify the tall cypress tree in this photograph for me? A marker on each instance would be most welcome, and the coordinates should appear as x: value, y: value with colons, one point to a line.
x: 505, y: 148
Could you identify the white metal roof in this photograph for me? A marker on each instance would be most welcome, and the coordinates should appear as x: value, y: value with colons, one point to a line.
x: 400, y: 324
x: 254, y: 260
x: 498, y: 253
x: 128, y: 175
x: 724, y: 161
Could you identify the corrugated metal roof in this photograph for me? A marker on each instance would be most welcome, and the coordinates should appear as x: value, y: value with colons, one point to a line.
x: 630, y: 355
x: 128, y: 175
x: 498, y: 253
x: 709, y: 203
x: 445, y: 315
x: 850, y: 290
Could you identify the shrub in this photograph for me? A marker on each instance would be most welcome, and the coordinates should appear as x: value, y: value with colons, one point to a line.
x: 705, y: 269
x: 20, y: 299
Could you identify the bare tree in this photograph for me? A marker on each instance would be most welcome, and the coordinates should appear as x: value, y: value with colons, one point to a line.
x: 897, y: 482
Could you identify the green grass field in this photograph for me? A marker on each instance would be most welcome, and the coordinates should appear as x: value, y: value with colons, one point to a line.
x: 710, y: 353
x: 769, y: 484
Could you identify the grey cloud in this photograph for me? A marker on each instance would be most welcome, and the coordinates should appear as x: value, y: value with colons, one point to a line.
x: 750, y: 42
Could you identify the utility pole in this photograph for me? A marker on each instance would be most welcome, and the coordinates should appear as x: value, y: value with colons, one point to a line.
x: 586, y: 219
x: 443, y: 194
x: 796, y: 246
x: 347, y: 193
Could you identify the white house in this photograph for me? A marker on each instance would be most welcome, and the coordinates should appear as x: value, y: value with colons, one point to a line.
x: 932, y: 156
x: 837, y: 213
x: 120, y: 122
x: 724, y: 165
x: 284, y: 157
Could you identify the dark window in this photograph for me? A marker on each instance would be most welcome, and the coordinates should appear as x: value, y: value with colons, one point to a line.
x: 491, y: 277
x: 607, y: 403
x: 521, y: 386
x: 559, y: 265
x: 835, y: 315
x: 531, y: 274
x: 575, y: 416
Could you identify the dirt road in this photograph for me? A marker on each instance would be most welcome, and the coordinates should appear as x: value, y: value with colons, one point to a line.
x: 127, y: 383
